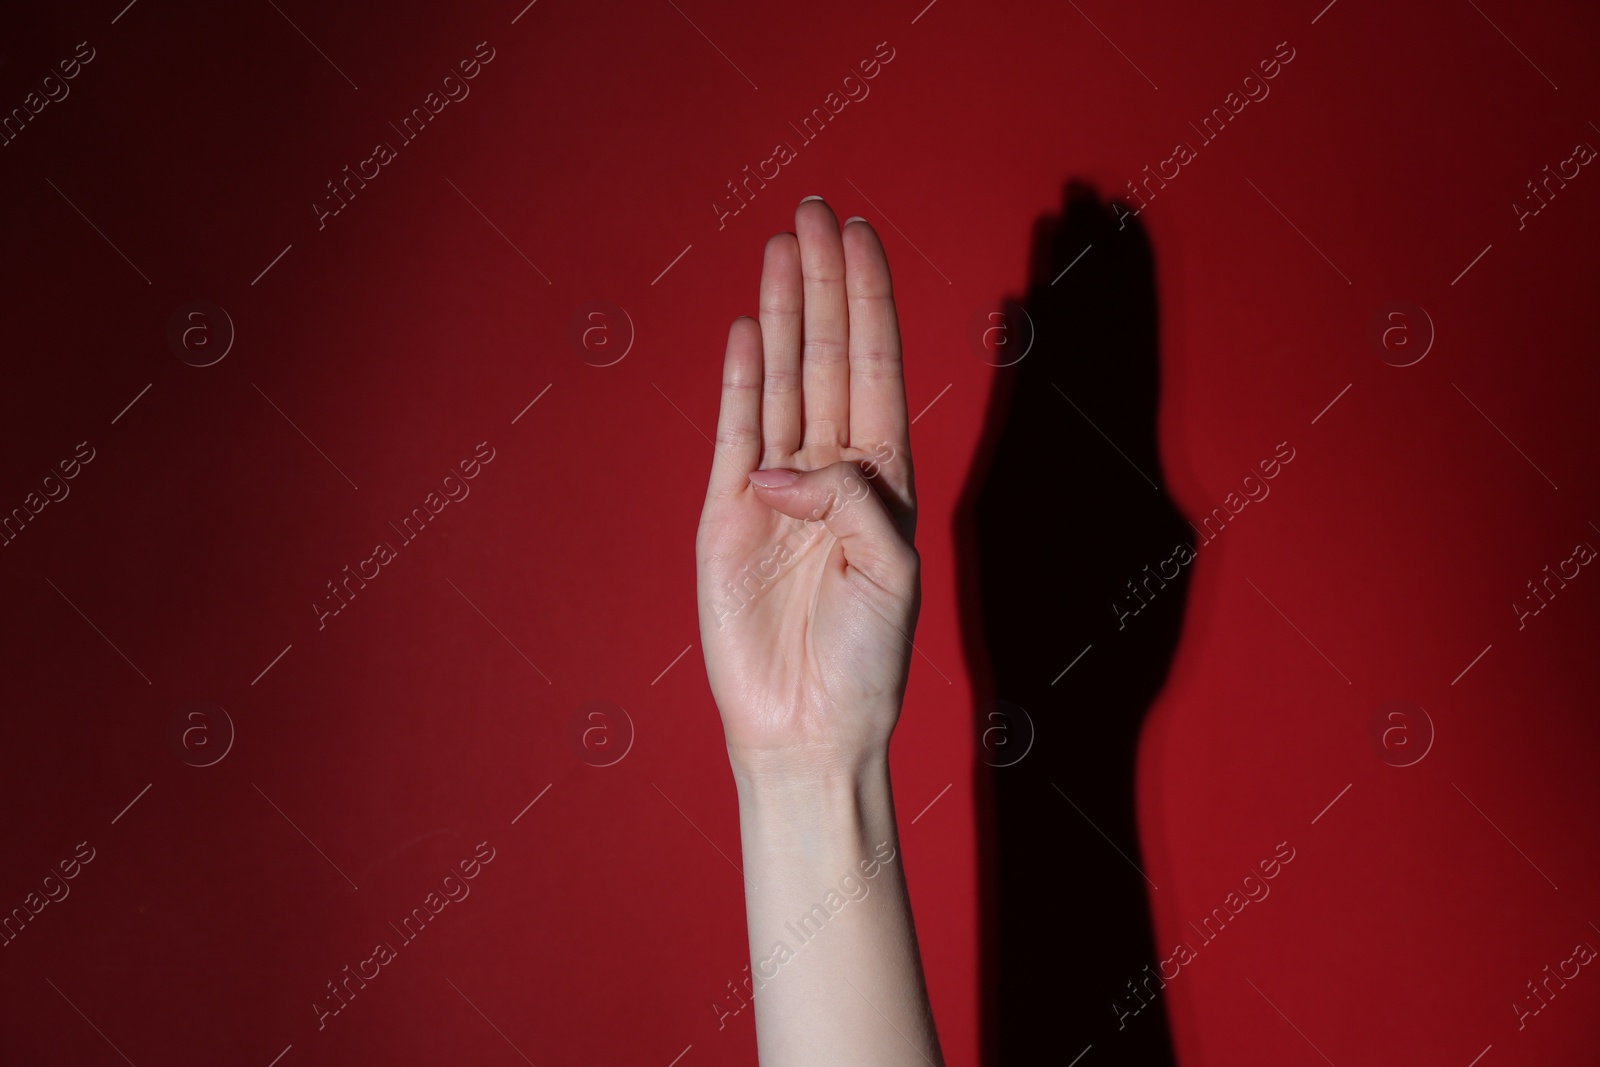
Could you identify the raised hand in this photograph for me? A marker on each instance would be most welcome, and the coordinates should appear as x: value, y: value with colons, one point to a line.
x: 807, y: 579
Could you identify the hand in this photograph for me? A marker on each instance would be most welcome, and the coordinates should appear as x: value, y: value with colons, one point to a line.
x: 808, y: 591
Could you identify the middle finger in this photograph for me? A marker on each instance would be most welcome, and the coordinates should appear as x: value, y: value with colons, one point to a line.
x: 825, y: 369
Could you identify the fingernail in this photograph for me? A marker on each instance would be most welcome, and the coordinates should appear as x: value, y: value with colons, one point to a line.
x: 775, y: 478
x: 810, y: 198
x: 854, y: 218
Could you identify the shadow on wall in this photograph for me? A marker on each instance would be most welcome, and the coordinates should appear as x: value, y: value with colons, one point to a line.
x: 1059, y: 520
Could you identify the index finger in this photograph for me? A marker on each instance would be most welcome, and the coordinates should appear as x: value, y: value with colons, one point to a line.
x: 877, y: 383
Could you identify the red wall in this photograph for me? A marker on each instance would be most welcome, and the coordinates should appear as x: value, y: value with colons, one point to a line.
x: 376, y: 348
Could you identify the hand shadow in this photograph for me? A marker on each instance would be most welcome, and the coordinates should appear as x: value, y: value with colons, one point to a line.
x: 1060, y: 513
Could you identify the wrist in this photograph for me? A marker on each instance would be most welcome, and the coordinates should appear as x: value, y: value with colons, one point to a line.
x: 820, y: 807
x: 796, y: 780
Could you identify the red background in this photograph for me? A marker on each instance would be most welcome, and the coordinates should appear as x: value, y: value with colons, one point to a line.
x: 414, y: 325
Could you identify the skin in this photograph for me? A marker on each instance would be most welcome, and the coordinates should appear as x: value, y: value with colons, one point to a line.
x: 808, y: 661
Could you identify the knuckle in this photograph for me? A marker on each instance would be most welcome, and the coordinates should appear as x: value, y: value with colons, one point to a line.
x: 733, y: 436
x: 871, y: 290
x: 779, y: 300
x: 822, y: 428
x: 876, y: 365
x: 781, y: 380
x: 831, y: 346
x: 823, y: 273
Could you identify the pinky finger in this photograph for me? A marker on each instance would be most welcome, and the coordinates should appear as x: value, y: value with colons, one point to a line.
x: 738, y: 438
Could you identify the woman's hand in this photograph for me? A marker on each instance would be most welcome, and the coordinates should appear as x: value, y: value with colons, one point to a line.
x: 808, y: 586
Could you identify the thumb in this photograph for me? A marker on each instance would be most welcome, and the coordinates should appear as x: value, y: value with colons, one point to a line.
x: 840, y: 497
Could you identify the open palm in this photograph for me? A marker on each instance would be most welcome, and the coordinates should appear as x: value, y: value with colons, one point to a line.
x: 808, y: 591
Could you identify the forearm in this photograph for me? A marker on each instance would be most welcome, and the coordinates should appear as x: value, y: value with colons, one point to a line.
x: 834, y: 964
